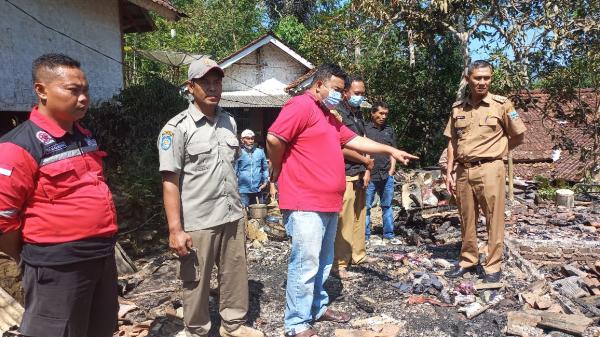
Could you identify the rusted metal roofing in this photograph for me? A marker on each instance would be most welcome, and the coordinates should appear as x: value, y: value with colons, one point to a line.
x: 253, y: 101
x: 163, y: 7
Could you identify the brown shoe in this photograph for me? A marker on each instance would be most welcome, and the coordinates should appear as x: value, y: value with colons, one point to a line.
x: 305, y: 333
x: 334, y: 316
x: 368, y: 260
x: 242, y: 331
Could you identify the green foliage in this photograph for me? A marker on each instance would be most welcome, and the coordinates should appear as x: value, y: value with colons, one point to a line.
x: 546, y: 188
x: 128, y: 129
x: 419, y: 96
x: 214, y: 27
x: 290, y: 30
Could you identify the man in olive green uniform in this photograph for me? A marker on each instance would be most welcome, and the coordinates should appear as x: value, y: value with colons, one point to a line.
x: 197, y: 150
x: 481, y: 129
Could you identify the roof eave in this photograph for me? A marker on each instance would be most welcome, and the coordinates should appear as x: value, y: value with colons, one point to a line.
x: 259, y: 42
x: 167, y: 13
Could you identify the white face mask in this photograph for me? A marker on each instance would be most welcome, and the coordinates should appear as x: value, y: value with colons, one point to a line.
x: 333, y: 99
x: 356, y: 101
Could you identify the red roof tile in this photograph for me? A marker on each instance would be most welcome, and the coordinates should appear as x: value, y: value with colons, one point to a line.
x: 547, y: 128
x: 300, y: 79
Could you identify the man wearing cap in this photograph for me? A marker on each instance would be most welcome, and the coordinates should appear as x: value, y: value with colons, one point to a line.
x: 252, y: 170
x: 197, y: 150
x: 480, y: 130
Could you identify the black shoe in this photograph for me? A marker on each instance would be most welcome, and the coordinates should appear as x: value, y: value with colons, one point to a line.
x: 492, y: 278
x: 459, y: 271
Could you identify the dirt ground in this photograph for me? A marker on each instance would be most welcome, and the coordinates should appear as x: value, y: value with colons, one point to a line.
x: 369, y: 293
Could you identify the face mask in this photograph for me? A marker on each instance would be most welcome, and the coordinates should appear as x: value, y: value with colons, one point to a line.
x: 333, y: 99
x: 356, y: 101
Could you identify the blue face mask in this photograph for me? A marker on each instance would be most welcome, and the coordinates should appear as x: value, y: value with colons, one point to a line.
x: 356, y: 101
x: 333, y: 99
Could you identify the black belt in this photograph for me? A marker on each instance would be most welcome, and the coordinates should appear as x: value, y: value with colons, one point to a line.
x: 477, y: 162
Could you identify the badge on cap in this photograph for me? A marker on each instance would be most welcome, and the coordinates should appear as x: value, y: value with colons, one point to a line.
x: 513, y: 115
x: 166, y: 140
x: 6, y: 170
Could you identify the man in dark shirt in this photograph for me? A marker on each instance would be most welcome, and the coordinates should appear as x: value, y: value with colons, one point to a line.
x: 382, y: 175
x: 350, y: 236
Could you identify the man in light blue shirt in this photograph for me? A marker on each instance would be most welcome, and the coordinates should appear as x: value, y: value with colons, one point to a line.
x: 252, y: 170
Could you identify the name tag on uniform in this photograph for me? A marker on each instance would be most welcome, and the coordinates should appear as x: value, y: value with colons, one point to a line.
x: 460, y: 117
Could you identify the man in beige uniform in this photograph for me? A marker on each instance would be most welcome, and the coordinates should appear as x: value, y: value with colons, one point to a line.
x: 197, y: 150
x: 481, y: 129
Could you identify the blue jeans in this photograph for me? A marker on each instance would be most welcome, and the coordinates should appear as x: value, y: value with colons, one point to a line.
x: 311, y: 257
x: 385, y: 190
x: 250, y: 198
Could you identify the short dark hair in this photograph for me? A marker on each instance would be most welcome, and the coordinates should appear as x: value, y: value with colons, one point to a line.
x: 351, y: 79
x: 379, y: 104
x: 52, y: 61
x: 325, y: 71
x: 479, y: 64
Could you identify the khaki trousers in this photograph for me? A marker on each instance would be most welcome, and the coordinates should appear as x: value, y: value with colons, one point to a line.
x: 224, y: 246
x: 481, y: 186
x: 350, y: 236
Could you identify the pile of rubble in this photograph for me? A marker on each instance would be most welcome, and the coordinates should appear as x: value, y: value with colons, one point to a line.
x: 551, y: 284
x: 524, y: 190
x: 568, y: 303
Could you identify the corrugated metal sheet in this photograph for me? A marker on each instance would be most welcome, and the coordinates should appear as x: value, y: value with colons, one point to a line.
x: 253, y: 101
x: 10, y: 311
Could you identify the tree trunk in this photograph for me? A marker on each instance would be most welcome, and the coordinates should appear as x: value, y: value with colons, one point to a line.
x: 462, y: 87
x: 411, y: 48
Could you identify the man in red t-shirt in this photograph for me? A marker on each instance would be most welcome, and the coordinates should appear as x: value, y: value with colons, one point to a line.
x: 305, y: 147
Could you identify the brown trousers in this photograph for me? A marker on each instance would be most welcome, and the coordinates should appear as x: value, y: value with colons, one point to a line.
x: 481, y: 186
x: 350, y: 236
x: 224, y: 246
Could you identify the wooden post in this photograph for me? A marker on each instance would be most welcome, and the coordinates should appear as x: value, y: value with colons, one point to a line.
x: 511, y: 175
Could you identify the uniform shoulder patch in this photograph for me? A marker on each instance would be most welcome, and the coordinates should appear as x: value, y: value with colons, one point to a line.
x: 166, y: 140
x: 513, y: 115
x: 499, y: 99
x: 177, y: 119
x: 457, y: 103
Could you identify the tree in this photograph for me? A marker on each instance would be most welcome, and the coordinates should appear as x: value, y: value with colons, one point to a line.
x: 302, y: 10
x: 214, y: 27
x: 418, y: 92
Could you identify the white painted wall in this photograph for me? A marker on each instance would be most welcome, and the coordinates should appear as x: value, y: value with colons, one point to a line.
x: 95, y: 23
x: 277, y: 71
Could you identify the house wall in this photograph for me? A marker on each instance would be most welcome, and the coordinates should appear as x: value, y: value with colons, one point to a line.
x: 268, y: 67
x: 95, y: 23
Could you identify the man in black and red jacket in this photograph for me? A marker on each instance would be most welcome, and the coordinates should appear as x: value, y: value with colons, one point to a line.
x: 56, y: 212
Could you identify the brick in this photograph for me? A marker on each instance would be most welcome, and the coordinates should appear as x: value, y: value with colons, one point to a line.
x: 553, y: 256
x: 534, y: 256
x: 545, y: 249
x: 525, y: 248
x: 568, y: 250
x: 585, y: 250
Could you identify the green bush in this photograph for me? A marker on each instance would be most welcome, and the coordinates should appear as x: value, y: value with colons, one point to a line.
x: 127, y: 129
x: 546, y: 189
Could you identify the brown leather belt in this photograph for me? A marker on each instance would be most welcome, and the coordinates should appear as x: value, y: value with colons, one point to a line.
x: 477, y: 162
